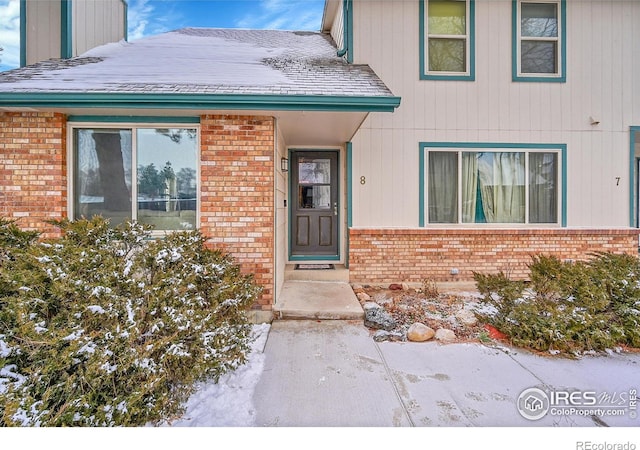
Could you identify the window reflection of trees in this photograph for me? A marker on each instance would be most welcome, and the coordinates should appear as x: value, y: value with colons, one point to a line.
x: 447, y: 55
x: 539, y: 46
x: 447, y: 29
x: 539, y: 57
x: 103, y: 175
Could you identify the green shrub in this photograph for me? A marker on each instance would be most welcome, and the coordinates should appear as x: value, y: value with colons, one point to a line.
x: 568, y: 306
x: 106, y: 326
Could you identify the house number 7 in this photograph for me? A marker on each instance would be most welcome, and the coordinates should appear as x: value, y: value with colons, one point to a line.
x: 363, y: 180
x: 617, y: 181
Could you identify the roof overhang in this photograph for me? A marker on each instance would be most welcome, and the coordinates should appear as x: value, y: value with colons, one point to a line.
x: 199, y: 101
x: 302, y: 120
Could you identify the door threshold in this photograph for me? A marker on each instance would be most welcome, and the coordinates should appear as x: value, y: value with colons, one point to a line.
x: 314, y: 267
x: 339, y: 273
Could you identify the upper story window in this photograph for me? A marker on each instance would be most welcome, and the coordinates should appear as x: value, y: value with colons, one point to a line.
x: 447, y: 39
x: 539, y: 40
x: 136, y: 173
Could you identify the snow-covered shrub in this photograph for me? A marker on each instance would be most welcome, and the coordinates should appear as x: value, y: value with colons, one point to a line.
x: 568, y: 306
x: 106, y: 326
x: 13, y: 239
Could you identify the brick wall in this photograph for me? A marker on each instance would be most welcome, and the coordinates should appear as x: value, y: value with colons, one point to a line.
x: 387, y: 255
x: 33, y: 169
x: 237, y: 192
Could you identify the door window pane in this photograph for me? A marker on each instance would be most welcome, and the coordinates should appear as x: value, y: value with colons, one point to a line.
x: 314, y: 197
x: 312, y: 171
x: 167, y: 178
x: 447, y: 17
x: 102, y: 175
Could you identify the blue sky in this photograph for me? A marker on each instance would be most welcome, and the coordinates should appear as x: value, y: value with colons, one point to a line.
x: 149, y: 17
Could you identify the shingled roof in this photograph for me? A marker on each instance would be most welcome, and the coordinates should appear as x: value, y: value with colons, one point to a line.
x: 205, y: 61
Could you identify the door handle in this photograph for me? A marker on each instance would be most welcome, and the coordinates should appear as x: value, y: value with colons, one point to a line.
x: 335, y: 209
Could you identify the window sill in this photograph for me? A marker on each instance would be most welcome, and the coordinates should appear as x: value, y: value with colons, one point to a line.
x: 539, y: 79
x: 448, y: 77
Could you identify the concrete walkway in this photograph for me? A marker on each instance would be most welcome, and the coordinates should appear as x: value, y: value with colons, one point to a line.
x: 332, y: 373
x: 323, y: 300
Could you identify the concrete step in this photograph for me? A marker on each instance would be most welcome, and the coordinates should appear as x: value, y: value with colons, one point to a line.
x: 320, y: 300
x: 338, y: 273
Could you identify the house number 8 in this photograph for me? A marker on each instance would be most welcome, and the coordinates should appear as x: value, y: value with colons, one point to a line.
x: 363, y: 180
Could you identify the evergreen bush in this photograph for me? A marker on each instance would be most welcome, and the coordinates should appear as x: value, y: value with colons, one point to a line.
x: 568, y: 306
x: 108, y: 327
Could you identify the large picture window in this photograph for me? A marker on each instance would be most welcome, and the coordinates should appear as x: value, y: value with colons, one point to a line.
x: 143, y: 174
x: 447, y: 39
x: 492, y: 186
x: 539, y: 47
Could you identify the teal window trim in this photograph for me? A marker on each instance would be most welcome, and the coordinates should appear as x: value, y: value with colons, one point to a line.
x: 201, y: 101
x: 424, y: 146
x: 349, y: 186
x: 633, y: 177
x: 66, y: 29
x: 561, y: 77
x: 23, y: 33
x: 347, y: 33
x: 133, y: 119
x: 349, y: 147
x: 125, y: 5
x: 424, y: 73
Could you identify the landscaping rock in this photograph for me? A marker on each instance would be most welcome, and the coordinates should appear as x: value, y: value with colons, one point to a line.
x: 405, y: 286
x: 467, y: 317
x: 382, y: 335
x: 376, y: 317
x: 381, y: 299
x: 363, y: 296
x: 357, y: 288
x: 419, y: 332
x: 445, y: 335
x: 395, y: 287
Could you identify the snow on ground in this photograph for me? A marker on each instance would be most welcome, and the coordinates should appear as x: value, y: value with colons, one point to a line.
x: 229, y: 403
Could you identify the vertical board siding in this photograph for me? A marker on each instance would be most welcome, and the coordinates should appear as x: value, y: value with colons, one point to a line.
x: 282, y: 216
x: 337, y: 29
x: 602, y: 72
x: 43, y: 31
x: 96, y: 23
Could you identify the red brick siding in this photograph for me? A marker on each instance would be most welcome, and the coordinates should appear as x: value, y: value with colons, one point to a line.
x: 386, y: 255
x: 33, y: 169
x: 237, y: 192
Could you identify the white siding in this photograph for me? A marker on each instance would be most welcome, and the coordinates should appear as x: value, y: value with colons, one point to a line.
x: 603, y: 69
x: 282, y: 217
x: 43, y: 31
x: 97, y: 22
x: 337, y: 29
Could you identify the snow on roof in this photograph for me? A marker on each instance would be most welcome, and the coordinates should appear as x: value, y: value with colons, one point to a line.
x: 205, y: 61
